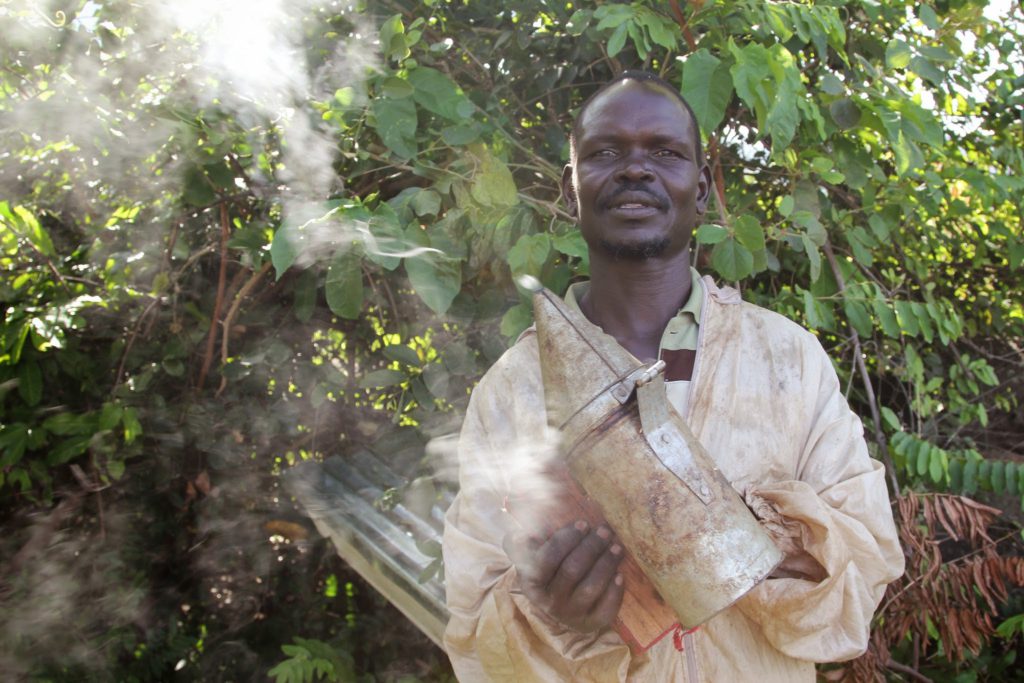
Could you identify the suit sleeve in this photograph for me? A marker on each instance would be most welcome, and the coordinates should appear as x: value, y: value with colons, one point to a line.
x: 839, y: 524
x: 494, y: 632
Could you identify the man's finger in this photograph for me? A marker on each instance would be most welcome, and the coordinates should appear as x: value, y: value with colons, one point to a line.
x: 608, y: 606
x: 536, y: 560
x: 578, y: 563
x: 589, y: 592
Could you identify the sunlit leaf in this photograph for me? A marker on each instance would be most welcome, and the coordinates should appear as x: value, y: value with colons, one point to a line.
x: 707, y: 87
x: 732, y: 260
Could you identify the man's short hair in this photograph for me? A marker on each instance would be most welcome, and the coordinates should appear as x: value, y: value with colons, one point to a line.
x: 642, y: 77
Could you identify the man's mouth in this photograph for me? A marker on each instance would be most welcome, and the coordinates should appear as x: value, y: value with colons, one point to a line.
x: 633, y: 202
x: 634, y: 205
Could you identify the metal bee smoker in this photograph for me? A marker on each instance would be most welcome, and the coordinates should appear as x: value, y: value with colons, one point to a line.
x: 673, y: 510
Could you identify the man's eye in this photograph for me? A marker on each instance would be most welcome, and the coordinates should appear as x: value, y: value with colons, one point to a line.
x: 603, y: 153
x: 668, y: 154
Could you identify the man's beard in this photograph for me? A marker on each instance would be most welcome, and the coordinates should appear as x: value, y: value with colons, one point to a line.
x: 639, y: 251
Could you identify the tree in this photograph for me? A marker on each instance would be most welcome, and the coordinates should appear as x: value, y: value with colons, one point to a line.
x: 221, y: 260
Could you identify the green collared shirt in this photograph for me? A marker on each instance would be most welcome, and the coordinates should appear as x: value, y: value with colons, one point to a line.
x: 678, y: 346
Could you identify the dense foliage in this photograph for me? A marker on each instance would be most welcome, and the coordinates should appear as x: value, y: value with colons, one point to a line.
x: 239, y: 235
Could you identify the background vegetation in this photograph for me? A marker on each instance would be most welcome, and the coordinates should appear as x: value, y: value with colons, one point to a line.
x: 238, y: 235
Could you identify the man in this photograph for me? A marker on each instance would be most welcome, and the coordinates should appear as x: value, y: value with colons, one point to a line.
x: 757, y: 391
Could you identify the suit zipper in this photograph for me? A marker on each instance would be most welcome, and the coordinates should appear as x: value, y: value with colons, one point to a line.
x: 691, y: 658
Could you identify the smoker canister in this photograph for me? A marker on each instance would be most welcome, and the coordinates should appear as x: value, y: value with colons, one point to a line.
x: 673, y: 510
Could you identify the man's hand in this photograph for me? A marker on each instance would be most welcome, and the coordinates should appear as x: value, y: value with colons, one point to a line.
x: 573, y: 575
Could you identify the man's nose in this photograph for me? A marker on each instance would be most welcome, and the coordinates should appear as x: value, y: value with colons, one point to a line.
x: 635, y: 166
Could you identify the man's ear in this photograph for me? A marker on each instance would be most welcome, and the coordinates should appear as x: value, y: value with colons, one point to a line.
x: 569, y: 192
x: 703, y: 189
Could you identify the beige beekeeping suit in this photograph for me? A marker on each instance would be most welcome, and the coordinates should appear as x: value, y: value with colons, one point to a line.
x: 766, y: 404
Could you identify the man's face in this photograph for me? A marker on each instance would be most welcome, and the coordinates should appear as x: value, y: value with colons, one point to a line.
x: 638, y: 187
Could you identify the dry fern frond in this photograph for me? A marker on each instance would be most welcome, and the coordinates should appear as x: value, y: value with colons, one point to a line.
x: 955, y: 581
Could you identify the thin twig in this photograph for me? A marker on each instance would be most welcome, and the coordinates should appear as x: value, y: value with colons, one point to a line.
x: 858, y: 356
x: 904, y: 669
x: 131, y: 342
x: 225, y: 232
x: 714, y: 154
x: 229, y: 319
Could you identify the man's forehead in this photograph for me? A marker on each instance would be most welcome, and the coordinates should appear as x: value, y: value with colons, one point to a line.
x: 625, y: 91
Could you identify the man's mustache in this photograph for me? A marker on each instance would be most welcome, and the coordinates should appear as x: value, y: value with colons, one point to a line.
x: 655, y: 199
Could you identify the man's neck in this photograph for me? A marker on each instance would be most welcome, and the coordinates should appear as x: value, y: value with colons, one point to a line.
x: 634, y: 300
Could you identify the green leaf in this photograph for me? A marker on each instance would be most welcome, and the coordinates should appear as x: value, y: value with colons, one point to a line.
x: 493, y: 184
x: 529, y: 254
x: 395, y: 122
x: 461, y: 134
x: 813, y: 256
x: 197, y: 190
x: 68, y: 449
x: 998, y: 476
x: 438, y: 94
x: 749, y: 232
x: 571, y: 244
x: 845, y: 113
x: 709, y: 233
x: 396, y: 88
x: 786, y: 205
x: 612, y: 15
x: 1011, y: 627
x: 305, y: 296
x: 13, y: 443
x: 436, y: 279
x: 283, y: 251
x: 1011, y: 473
x: 578, y: 22
x: 890, y: 418
x: 897, y: 54
x: 908, y: 154
x: 392, y: 38
x: 386, y: 238
x: 732, y: 260
x: 956, y: 475
x: 707, y: 86
x: 985, y: 475
x: 131, y: 424
x: 886, y: 318
x: 908, y: 321
x: 937, y: 464
x: 382, y: 378
x: 426, y: 202
x: 923, y: 455
x: 516, y: 319
x: 617, y: 40
x: 344, y: 284
x: 110, y: 416
x: 402, y: 354
x: 857, y: 316
x: 928, y: 17
x: 925, y: 69
x: 811, y: 310
x: 23, y: 222
x: 437, y: 380
x: 115, y: 468
x: 30, y: 382
x: 970, y: 477
x: 831, y: 85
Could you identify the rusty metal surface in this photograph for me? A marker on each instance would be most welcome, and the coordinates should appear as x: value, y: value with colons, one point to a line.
x: 682, y: 521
